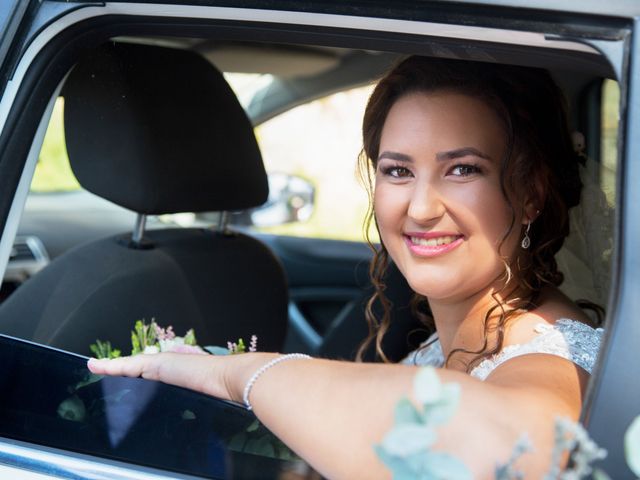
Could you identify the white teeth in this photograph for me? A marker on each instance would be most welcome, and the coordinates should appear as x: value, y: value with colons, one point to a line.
x: 433, y: 242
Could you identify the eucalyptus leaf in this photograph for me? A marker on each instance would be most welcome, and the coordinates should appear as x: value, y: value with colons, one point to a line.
x: 87, y: 380
x: 427, y: 386
x: 406, y: 412
x: 438, y: 466
x: 73, y: 409
x: 451, y: 393
x: 406, y: 439
x: 632, y: 446
x: 215, y: 350
x: 439, y: 413
x: 398, y: 466
x: 254, y: 426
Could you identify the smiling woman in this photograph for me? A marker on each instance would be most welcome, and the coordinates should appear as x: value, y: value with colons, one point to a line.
x: 444, y: 196
x: 478, y: 160
x: 474, y: 177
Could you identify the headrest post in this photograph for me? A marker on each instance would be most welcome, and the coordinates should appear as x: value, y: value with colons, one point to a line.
x: 138, y: 231
x: 223, y: 222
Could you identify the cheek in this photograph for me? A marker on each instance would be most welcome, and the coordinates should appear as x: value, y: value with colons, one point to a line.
x: 484, y: 209
x: 389, y: 207
x: 492, y: 216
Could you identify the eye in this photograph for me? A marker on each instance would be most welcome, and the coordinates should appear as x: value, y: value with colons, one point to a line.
x: 396, y: 171
x: 463, y: 170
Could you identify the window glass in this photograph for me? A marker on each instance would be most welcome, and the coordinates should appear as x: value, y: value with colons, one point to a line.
x: 608, y: 145
x: 320, y: 142
x: 53, y: 173
x: 50, y: 398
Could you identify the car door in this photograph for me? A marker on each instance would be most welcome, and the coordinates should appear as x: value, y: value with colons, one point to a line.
x: 608, y: 29
x: 87, y: 426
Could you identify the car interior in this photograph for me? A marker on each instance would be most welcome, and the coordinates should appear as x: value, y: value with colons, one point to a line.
x: 153, y: 128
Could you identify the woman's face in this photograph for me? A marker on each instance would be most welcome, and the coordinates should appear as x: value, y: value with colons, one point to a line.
x: 438, y: 202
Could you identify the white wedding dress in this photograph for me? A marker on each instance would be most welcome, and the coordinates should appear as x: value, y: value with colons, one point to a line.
x: 568, y: 339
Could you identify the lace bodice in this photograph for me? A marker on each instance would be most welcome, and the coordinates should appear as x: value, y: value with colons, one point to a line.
x: 568, y: 339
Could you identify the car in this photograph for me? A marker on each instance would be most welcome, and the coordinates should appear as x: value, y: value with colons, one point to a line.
x: 88, y: 253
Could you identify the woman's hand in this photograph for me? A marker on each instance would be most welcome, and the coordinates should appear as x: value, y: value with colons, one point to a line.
x: 222, y: 376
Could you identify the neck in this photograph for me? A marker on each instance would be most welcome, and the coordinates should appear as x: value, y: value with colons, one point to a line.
x: 460, y: 325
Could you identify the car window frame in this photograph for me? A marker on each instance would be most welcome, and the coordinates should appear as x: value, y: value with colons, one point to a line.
x: 629, y: 75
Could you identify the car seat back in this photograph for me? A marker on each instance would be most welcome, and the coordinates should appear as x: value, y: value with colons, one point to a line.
x: 157, y: 131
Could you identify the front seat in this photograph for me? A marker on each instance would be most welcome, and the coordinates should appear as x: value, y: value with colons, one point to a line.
x: 157, y: 131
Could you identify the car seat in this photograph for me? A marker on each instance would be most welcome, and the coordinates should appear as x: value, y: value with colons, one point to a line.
x: 157, y: 131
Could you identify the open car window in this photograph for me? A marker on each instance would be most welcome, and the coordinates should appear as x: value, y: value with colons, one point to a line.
x: 51, y: 399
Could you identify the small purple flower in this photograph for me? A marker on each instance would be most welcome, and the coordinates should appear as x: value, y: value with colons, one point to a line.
x: 253, y: 345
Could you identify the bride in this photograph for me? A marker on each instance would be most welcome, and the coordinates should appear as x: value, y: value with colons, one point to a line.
x: 474, y: 174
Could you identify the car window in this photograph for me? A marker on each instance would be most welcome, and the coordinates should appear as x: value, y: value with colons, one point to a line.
x: 51, y: 399
x: 610, y: 115
x: 53, y: 173
x: 320, y: 141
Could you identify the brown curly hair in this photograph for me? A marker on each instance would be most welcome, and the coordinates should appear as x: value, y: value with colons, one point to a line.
x: 539, y: 151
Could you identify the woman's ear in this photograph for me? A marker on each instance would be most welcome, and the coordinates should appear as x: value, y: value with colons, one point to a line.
x: 534, y: 201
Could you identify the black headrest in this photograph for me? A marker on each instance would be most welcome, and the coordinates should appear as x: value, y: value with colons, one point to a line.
x: 158, y: 130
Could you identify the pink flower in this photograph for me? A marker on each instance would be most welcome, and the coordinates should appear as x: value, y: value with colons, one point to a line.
x: 163, y: 334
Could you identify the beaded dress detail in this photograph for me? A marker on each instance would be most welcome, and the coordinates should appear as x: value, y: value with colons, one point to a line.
x: 568, y: 339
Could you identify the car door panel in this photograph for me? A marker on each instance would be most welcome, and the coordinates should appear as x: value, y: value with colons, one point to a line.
x: 327, y: 279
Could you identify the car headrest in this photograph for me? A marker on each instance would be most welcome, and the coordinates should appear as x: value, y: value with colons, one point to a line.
x: 159, y: 130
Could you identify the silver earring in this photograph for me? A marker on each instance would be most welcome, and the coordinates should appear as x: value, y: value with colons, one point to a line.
x: 526, y: 241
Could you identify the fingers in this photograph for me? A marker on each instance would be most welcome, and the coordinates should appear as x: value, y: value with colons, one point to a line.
x: 124, y: 366
x: 185, y: 370
x: 220, y: 376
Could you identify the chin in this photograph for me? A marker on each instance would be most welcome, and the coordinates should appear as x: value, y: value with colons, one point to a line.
x: 436, y: 290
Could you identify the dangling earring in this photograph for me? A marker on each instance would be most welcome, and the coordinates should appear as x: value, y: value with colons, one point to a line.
x: 526, y: 241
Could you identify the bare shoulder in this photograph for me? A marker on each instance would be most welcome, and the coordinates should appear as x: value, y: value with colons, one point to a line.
x: 553, y: 306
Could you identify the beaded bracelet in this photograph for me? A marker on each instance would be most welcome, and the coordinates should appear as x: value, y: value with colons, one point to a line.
x: 264, y: 368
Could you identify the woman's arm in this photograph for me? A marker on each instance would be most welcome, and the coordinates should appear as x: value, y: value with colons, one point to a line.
x: 332, y: 413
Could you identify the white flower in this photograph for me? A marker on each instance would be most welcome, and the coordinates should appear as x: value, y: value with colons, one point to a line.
x: 169, y: 345
x: 151, y: 349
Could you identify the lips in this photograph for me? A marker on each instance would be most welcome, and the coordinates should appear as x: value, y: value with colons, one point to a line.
x: 432, y: 244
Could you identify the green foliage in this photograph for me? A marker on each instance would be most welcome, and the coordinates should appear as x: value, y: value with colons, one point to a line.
x: 257, y: 440
x: 240, y: 347
x: 190, y: 338
x: 104, y: 350
x: 53, y: 173
x: 143, y: 336
x: 406, y: 448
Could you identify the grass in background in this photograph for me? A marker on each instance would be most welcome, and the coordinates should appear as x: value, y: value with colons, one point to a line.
x: 610, y: 117
x: 53, y: 173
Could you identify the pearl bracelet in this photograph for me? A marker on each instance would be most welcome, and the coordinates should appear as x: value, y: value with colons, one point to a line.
x: 264, y: 368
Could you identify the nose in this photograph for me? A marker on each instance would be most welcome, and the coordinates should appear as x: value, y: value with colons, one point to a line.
x: 425, y: 203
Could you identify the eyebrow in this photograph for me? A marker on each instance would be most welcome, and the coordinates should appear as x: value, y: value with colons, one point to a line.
x: 440, y: 156
x: 461, y: 152
x: 401, y: 157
